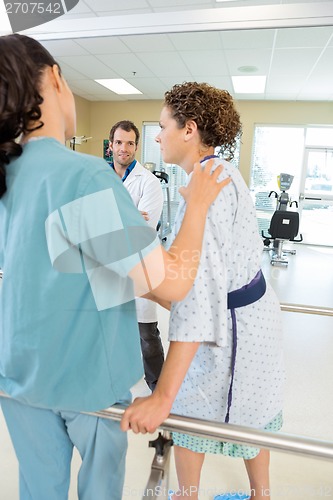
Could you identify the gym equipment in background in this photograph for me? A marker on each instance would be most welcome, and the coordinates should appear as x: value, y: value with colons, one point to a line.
x: 164, y: 224
x: 284, y: 223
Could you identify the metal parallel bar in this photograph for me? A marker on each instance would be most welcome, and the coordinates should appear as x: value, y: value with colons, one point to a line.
x: 288, y: 443
x: 300, y: 308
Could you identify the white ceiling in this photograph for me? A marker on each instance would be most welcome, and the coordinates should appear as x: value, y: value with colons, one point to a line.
x: 298, y: 61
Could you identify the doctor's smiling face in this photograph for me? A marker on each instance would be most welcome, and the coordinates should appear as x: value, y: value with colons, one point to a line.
x: 124, y: 147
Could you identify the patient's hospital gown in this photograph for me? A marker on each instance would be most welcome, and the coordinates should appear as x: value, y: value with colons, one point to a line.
x: 231, y: 257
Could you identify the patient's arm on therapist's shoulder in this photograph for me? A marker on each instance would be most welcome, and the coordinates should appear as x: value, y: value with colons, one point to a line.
x: 169, y: 275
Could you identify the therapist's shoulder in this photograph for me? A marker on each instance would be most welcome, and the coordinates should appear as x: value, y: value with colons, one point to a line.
x: 74, y: 162
x: 91, y: 174
x: 95, y: 170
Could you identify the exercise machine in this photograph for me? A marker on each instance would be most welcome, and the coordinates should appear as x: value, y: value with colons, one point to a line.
x: 284, y: 223
x: 164, y: 224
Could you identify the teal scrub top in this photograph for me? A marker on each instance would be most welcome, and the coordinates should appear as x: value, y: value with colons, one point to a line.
x: 69, y: 235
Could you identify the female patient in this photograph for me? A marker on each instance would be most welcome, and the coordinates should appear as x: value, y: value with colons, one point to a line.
x: 225, y: 356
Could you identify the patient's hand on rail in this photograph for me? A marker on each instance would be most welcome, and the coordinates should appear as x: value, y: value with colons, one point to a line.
x: 145, y: 414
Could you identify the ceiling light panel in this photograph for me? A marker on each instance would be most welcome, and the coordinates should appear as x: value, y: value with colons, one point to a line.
x: 119, y: 86
x: 249, y: 84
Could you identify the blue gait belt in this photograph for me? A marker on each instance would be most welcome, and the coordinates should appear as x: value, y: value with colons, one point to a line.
x: 239, y: 298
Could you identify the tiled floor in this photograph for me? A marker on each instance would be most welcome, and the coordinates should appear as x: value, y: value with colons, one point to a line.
x: 308, y: 407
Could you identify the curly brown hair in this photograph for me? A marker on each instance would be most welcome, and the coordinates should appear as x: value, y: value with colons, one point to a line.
x: 213, y: 111
x: 22, y: 61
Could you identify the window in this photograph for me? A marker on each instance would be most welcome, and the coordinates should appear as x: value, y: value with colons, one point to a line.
x: 276, y: 150
x: 177, y: 177
x: 305, y: 152
x: 319, y: 136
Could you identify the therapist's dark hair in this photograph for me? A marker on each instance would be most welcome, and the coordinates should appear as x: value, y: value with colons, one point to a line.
x: 128, y: 126
x: 213, y: 111
x: 22, y: 61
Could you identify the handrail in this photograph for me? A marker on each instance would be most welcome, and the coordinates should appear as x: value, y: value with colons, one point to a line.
x: 301, y: 308
x: 288, y: 443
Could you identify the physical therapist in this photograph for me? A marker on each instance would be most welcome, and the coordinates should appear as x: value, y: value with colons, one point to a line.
x: 71, y: 246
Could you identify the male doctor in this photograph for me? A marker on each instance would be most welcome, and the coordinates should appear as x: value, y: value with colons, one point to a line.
x: 147, y: 195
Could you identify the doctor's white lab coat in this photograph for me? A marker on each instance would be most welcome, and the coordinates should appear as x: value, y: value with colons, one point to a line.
x: 146, y: 192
